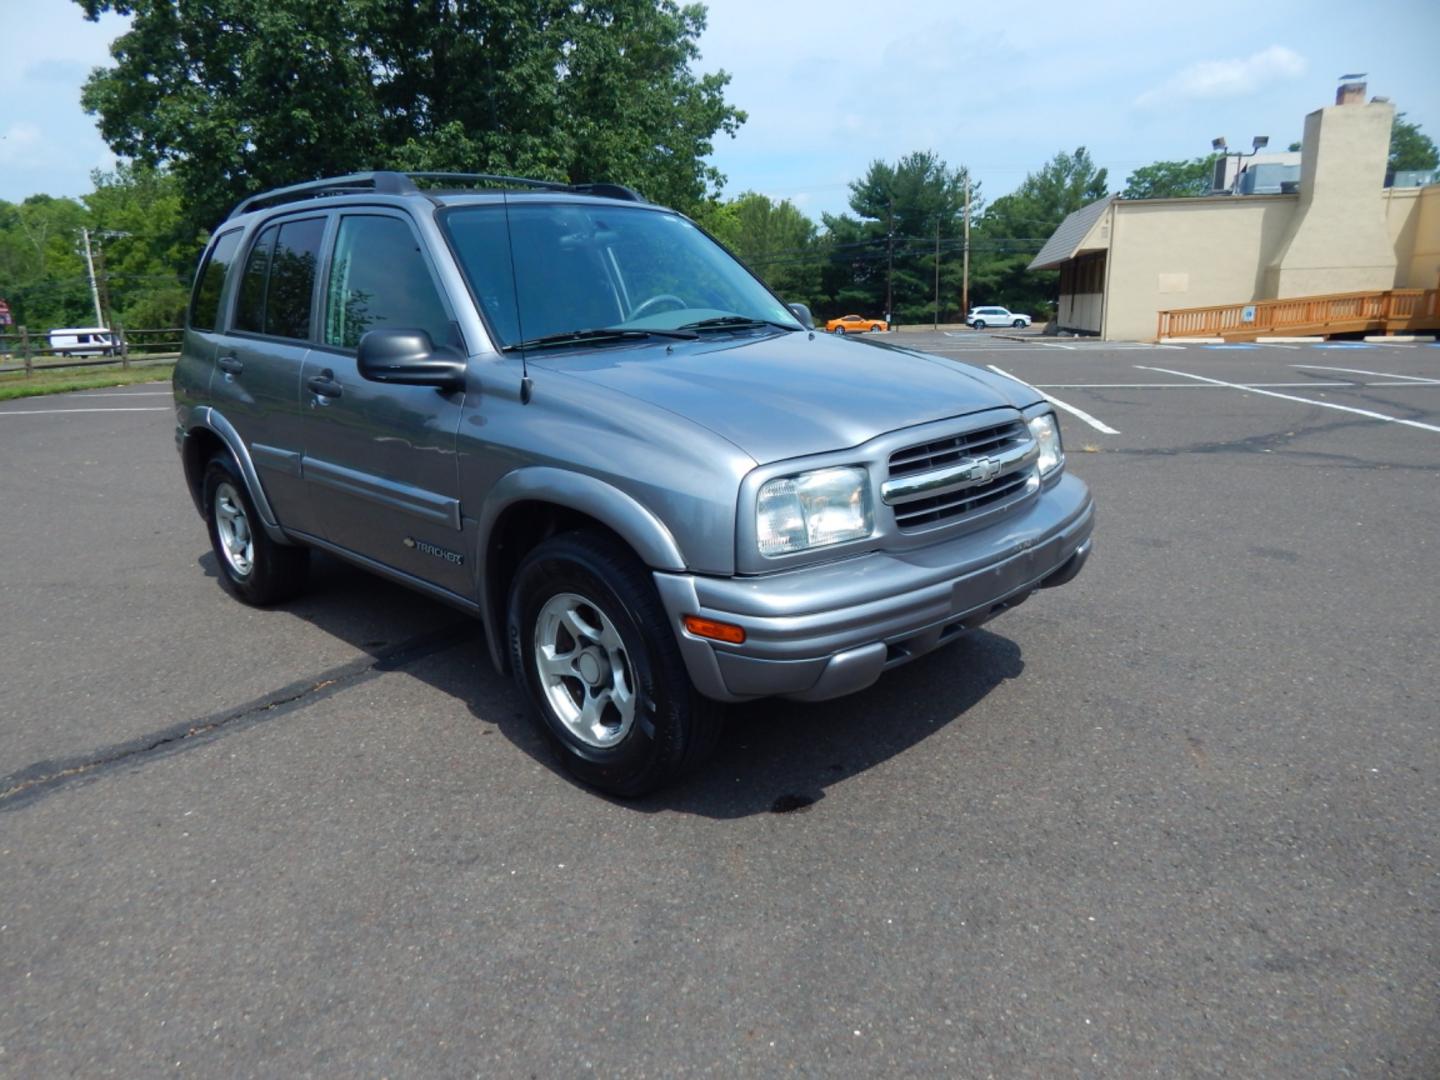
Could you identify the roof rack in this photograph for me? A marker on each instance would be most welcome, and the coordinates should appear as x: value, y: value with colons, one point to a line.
x: 398, y: 183
x: 386, y: 183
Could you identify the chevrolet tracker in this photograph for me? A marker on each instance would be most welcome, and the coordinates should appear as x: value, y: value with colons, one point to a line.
x: 575, y: 416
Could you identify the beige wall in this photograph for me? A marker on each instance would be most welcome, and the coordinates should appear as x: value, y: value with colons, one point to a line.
x: 1415, y: 224
x: 1339, y: 241
x: 1180, y: 253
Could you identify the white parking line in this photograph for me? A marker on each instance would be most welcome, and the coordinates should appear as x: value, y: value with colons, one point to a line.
x: 1182, y: 386
x: 1362, y: 371
x: 1291, y: 397
x: 55, y: 412
x: 136, y: 393
x: 1098, y: 425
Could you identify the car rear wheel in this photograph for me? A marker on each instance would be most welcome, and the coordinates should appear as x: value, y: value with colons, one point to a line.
x: 838, y: 330
x: 252, y: 566
x: 979, y: 324
x: 592, y: 647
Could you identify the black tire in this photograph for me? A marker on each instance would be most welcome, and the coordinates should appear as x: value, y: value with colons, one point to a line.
x: 979, y: 324
x: 839, y: 330
x: 673, y: 728
x: 275, y: 572
x: 1018, y: 324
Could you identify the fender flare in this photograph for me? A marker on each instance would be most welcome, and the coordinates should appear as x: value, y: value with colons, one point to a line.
x: 205, y: 416
x: 618, y: 511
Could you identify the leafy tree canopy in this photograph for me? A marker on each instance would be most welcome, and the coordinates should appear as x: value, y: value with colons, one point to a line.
x: 1410, y: 148
x: 776, y: 240
x: 242, y: 95
x: 899, y: 205
x: 1016, y: 225
x: 143, y: 249
x: 1170, y: 179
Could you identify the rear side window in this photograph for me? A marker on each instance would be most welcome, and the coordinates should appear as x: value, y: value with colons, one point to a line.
x: 250, y: 311
x: 379, y: 280
x: 292, y: 278
x: 210, y: 282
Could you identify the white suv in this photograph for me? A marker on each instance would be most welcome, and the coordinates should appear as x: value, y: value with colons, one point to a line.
x: 982, y: 317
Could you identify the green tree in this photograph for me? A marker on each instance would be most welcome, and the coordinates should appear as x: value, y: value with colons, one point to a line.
x: 147, y: 247
x: 1410, y: 148
x: 241, y: 95
x: 1015, y: 226
x: 775, y: 240
x: 1170, y: 179
x: 42, y: 271
x: 898, y: 209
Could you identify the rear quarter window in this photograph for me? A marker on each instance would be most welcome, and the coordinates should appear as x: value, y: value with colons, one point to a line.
x: 210, y: 282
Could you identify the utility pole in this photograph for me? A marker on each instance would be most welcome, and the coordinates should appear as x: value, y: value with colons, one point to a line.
x: 890, y: 270
x: 965, y: 279
x: 94, y: 288
x: 935, y: 322
x: 102, y: 284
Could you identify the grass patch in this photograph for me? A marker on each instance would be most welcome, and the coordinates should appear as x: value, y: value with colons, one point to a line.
x: 18, y: 385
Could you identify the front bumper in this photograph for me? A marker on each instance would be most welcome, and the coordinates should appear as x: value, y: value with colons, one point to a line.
x: 824, y: 631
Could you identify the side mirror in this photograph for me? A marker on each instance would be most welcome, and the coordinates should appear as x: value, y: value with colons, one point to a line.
x: 409, y: 358
x: 801, y: 312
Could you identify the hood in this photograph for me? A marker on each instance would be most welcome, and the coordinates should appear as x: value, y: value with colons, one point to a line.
x: 791, y: 394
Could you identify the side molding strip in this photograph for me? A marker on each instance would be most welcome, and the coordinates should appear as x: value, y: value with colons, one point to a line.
x: 440, y: 509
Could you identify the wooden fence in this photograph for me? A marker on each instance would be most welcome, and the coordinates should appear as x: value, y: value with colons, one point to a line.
x: 1340, y: 313
x: 27, y: 352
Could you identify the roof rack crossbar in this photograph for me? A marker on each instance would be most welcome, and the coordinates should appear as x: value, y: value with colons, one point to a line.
x: 387, y: 183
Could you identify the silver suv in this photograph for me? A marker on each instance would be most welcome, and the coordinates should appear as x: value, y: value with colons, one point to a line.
x: 575, y: 416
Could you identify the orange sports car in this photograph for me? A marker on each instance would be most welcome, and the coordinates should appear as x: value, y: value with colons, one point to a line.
x: 855, y: 324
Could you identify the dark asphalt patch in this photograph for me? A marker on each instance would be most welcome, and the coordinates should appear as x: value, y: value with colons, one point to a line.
x: 44, y: 777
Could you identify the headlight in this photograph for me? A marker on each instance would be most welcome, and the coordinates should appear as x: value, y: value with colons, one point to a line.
x: 813, y: 509
x: 1046, y: 431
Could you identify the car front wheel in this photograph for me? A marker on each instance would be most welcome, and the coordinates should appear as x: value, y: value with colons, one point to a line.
x: 253, y: 566
x: 591, y: 646
x: 1018, y: 324
x: 838, y: 330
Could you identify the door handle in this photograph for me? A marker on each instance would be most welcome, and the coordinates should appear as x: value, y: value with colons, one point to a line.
x: 324, y: 385
x: 231, y: 364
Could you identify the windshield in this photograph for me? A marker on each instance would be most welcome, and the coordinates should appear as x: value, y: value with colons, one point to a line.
x: 579, y: 269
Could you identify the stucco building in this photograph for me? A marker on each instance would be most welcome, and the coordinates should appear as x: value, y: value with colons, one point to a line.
x: 1122, y: 261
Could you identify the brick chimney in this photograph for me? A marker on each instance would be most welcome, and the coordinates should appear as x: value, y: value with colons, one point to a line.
x: 1350, y: 93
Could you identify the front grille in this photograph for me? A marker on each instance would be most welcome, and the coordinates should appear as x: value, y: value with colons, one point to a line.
x: 951, y: 506
x: 921, y: 512
x: 947, y: 451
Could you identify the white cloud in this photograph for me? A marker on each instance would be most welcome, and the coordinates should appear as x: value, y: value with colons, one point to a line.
x: 18, y: 141
x: 1226, y: 78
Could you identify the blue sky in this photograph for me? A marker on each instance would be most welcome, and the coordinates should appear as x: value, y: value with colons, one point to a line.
x: 829, y: 90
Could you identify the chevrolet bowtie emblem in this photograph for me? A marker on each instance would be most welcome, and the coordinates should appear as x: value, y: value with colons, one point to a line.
x: 983, y: 470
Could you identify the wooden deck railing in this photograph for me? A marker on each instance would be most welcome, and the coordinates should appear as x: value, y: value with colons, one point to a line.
x: 1339, y: 313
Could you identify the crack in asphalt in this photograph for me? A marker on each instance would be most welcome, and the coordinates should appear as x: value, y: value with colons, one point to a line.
x: 22, y: 787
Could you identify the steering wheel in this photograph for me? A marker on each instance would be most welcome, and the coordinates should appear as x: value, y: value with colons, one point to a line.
x: 659, y: 298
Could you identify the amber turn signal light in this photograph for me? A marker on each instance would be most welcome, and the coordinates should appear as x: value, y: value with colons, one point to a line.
x: 715, y: 631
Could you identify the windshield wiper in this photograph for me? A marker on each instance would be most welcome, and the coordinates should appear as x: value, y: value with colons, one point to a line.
x: 735, y: 322
x: 599, y: 334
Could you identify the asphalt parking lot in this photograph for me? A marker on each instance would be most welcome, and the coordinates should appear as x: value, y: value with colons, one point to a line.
x: 1178, y: 818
